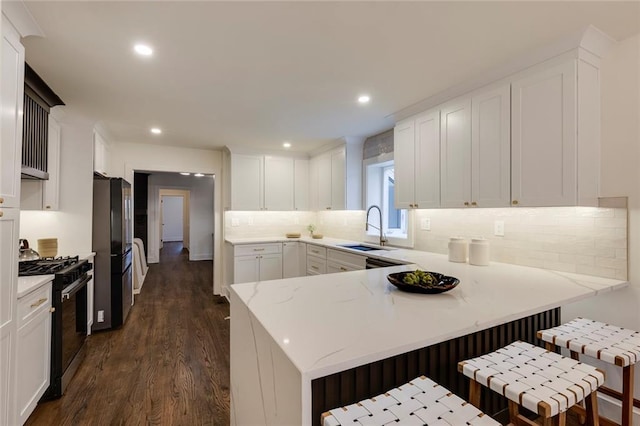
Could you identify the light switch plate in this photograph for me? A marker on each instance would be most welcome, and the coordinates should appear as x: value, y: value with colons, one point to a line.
x: 425, y: 224
x: 498, y: 228
x: 235, y: 221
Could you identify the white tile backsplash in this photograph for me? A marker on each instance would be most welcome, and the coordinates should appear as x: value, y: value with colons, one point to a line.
x: 585, y: 240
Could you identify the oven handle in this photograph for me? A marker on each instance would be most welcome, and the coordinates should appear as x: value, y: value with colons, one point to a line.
x: 75, y: 287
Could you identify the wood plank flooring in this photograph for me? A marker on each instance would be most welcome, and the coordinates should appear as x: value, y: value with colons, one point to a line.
x: 168, y: 365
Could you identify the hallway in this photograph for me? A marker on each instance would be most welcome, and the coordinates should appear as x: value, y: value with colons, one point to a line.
x: 168, y: 365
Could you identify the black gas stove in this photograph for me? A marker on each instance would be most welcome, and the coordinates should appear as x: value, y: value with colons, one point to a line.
x: 66, y: 269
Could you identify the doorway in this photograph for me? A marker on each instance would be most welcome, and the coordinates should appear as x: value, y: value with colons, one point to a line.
x: 174, y: 223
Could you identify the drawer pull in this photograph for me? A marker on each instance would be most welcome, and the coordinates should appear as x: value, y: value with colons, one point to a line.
x: 315, y: 267
x: 1, y: 200
x: 1, y: 214
x: 52, y: 309
x: 473, y: 203
x: 39, y: 302
x: 466, y: 203
x: 258, y: 249
x: 315, y: 251
x: 48, y: 207
x: 514, y: 202
x: 342, y: 268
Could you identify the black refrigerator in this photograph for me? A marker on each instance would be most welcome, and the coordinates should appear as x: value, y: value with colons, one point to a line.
x: 112, y: 238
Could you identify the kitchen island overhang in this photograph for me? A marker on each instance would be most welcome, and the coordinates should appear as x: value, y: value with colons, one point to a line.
x: 286, y: 333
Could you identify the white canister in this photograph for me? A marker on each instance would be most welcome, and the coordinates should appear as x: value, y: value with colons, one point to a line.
x: 479, y: 252
x: 457, y: 249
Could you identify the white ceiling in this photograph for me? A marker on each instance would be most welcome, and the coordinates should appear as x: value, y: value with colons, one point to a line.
x: 260, y: 73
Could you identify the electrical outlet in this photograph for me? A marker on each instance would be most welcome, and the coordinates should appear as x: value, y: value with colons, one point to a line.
x: 235, y: 221
x: 425, y: 224
x: 498, y: 228
x: 100, y: 316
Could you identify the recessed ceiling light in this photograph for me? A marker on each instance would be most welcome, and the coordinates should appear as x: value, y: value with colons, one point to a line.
x: 185, y: 173
x: 156, y: 131
x: 286, y: 145
x: 364, y: 99
x: 143, y: 50
x: 198, y: 175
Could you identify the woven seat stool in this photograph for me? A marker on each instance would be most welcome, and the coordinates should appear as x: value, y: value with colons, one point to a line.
x: 608, y: 343
x: 531, y: 377
x: 419, y: 402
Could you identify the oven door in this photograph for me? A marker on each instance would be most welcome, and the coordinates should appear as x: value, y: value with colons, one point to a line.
x: 74, y: 319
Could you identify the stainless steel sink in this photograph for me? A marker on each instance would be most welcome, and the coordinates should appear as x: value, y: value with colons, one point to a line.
x: 363, y: 247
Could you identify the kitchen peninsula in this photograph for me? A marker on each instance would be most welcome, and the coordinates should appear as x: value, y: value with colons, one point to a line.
x: 303, y: 345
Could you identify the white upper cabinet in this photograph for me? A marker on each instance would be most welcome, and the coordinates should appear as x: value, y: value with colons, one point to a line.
x: 417, y: 162
x: 338, y: 179
x: 301, y: 185
x: 246, y: 182
x: 455, y: 154
x: 543, y: 140
x: 329, y: 180
x: 101, y: 160
x: 11, y: 120
x: 267, y: 183
x: 491, y: 148
x: 278, y: 183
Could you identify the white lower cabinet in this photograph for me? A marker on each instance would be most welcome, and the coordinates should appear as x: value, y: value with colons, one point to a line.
x: 339, y: 261
x: 33, y: 363
x: 257, y: 262
x: 294, y: 259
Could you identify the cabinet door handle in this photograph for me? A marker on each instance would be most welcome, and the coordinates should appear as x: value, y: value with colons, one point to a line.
x: 1, y: 200
x: 410, y: 205
x: 514, y: 202
x: 473, y: 203
x: 328, y: 208
x: 47, y: 207
x: 466, y: 203
x: 39, y: 302
x: 342, y: 268
x: 52, y: 309
x: 314, y: 267
x: 1, y: 214
x: 416, y: 206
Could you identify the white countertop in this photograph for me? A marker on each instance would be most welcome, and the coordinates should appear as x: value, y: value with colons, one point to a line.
x: 28, y: 284
x: 330, y: 323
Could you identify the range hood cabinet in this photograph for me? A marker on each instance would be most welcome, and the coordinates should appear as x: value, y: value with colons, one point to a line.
x: 38, y: 99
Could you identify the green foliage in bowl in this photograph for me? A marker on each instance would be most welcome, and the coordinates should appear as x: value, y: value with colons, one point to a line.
x: 420, y: 278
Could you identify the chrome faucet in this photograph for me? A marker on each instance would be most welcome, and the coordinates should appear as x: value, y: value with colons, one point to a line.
x: 383, y: 239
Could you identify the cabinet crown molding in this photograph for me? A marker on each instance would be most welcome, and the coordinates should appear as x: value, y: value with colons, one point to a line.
x: 20, y: 17
x: 590, y: 39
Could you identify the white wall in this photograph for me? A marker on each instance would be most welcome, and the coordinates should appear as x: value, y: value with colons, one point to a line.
x: 126, y: 158
x: 72, y: 223
x: 172, y: 218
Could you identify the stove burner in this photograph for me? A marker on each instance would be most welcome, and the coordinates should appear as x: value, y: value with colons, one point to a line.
x: 46, y: 266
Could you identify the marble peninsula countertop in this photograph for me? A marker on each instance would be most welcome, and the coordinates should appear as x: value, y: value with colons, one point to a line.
x: 329, y: 323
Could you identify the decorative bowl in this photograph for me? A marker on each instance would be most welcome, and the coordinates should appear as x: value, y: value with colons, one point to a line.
x: 443, y: 283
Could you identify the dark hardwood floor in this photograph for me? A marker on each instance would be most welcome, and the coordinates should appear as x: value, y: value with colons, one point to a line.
x: 168, y: 365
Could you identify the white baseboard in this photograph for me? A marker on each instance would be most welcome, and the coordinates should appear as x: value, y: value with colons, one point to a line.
x: 152, y: 259
x: 611, y: 408
x: 200, y: 256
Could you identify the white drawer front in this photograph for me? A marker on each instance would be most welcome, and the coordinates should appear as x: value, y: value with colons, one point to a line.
x: 352, y: 260
x: 316, y: 266
x: 251, y: 249
x: 318, y: 251
x: 34, y: 303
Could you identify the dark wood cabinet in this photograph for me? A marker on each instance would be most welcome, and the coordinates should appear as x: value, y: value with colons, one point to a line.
x: 140, y: 207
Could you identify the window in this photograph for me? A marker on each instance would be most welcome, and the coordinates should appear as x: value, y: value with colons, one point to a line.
x: 380, y: 188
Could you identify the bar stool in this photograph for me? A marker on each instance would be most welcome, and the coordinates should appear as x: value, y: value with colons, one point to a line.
x: 541, y: 381
x: 613, y: 345
x: 419, y: 402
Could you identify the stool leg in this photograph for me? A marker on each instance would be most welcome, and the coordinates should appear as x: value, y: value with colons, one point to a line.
x: 591, y: 402
x: 474, y: 393
x: 562, y: 419
x: 514, y: 412
x: 627, y: 395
